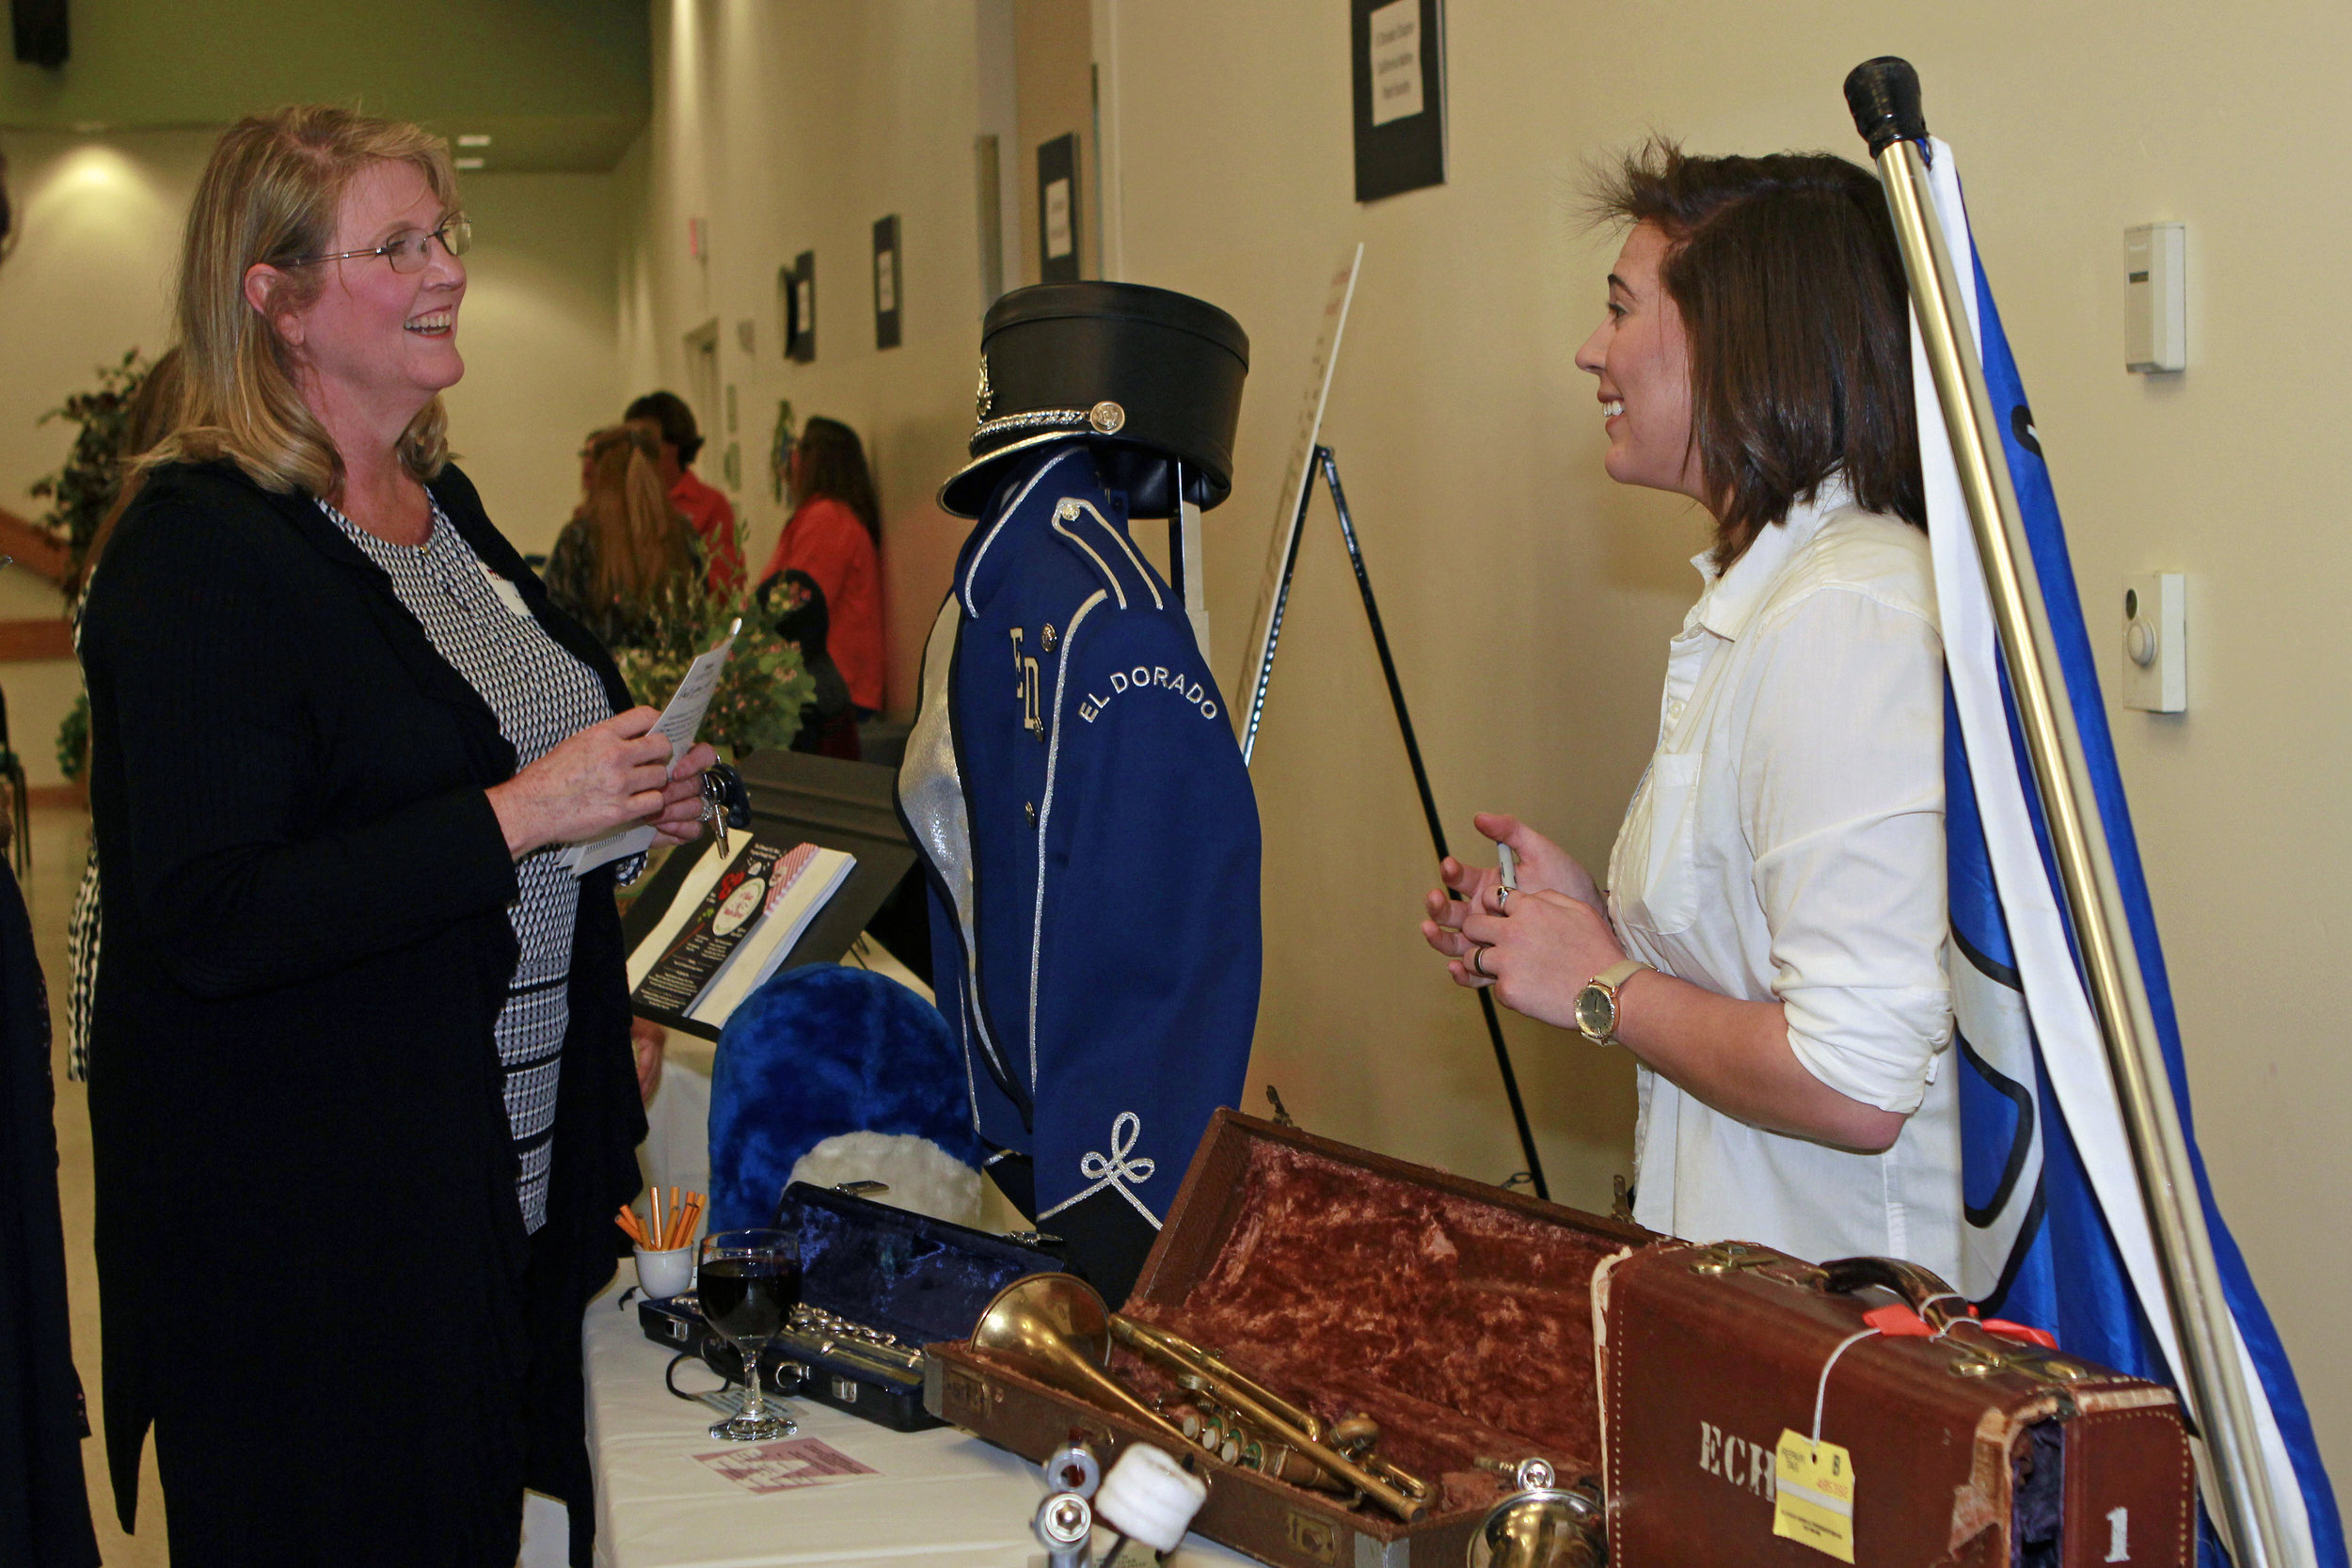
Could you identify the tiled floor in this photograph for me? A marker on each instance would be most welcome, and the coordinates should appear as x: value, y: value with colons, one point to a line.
x: 60, y: 838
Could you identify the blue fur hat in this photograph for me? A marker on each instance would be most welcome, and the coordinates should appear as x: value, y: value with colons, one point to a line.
x: 832, y: 1055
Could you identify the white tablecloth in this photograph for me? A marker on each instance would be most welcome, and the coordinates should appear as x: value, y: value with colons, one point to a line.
x: 937, y: 1498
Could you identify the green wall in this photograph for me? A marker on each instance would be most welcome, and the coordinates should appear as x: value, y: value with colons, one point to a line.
x: 558, y: 84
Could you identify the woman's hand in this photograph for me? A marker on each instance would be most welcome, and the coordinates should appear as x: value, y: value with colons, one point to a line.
x: 605, y: 777
x: 1536, y: 949
x: 1544, y: 866
x: 680, y: 819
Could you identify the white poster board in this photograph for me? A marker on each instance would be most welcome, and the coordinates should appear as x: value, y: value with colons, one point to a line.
x: 1299, y: 473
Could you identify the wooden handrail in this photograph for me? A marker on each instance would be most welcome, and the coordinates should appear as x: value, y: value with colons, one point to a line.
x: 35, y: 549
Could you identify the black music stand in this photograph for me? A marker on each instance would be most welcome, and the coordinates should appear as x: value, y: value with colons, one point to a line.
x: 1327, y: 465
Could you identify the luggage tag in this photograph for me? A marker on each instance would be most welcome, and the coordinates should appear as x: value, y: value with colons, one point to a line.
x: 1813, y: 1495
x: 1813, y: 1482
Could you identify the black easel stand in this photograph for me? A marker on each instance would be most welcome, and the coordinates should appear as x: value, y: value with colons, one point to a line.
x: 1329, y: 468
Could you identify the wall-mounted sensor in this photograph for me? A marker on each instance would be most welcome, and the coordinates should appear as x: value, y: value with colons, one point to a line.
x: 2156, y: 297
x: 2156, y: 641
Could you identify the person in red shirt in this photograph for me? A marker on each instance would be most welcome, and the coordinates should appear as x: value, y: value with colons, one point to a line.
x: 834, y: 535
x: 673, y: 424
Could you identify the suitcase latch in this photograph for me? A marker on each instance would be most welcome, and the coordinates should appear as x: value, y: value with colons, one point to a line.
x: 1311, y: 1537
x: 1732, y: 1257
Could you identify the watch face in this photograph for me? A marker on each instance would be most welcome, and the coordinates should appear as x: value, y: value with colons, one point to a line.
x: 1596, y: 1012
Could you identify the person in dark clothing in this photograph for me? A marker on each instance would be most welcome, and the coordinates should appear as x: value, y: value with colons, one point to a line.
x: 44, y: 1507
x: 795, y: 606
x: 359, y: 1043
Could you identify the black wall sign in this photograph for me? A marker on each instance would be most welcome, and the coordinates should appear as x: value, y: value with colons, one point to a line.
x: 42, y: 36
x: 1057, y: 209
x: 797, y: 286
x: 888, y: 280
x: 1398, y: 47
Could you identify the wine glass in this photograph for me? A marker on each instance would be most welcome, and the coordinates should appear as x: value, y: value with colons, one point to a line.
x: 748, y: 1283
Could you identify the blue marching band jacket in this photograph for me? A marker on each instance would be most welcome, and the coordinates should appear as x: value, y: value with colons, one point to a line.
x: 1074, y: 782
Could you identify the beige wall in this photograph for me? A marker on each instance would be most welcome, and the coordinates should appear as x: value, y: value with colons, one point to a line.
x: 1530, y: 601
x: 792, y: 127
x: 1054, y: 84
x: 540, y: 337
x: 88, y: 280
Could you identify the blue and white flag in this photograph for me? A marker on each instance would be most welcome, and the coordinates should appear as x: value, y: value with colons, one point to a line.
x: 2058, y: 1236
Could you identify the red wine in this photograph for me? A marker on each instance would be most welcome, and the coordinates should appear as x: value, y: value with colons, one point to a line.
x: 747, y: 1299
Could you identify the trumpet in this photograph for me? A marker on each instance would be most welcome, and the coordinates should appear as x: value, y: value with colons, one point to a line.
x: 1061, y: 1330
x: 1352, y: 1439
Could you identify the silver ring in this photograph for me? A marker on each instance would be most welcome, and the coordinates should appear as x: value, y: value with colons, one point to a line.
x: 1477, y: 954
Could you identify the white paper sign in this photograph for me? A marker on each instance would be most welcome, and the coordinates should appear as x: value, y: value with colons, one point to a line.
x: 1396, y: 61
x: 885, y: 281
x: 1057, y: 218
x: 678, y: 724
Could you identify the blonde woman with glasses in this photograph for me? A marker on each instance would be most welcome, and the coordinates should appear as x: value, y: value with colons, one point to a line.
x: 359, y: 1056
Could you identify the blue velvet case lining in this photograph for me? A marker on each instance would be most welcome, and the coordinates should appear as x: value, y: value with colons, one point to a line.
x: 909, y: 1275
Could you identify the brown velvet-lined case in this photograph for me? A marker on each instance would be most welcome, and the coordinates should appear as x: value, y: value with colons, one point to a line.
x: 1455, y: 1314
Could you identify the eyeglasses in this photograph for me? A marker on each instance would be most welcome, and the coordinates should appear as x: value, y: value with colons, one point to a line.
x: 410, y: 249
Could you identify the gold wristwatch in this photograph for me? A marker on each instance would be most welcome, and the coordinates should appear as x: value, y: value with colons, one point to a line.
x: 1596, y: 1003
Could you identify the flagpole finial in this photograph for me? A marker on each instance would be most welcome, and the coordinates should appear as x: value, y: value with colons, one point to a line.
x: 1883, y: 95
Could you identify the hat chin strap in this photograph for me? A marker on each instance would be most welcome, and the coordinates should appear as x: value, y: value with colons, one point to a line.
x: 1184, y: 556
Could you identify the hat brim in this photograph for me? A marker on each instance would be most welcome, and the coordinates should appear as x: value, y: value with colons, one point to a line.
x: 966, y: 491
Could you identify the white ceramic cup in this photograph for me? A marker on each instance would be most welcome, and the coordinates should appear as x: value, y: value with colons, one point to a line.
x: 663, y: 1274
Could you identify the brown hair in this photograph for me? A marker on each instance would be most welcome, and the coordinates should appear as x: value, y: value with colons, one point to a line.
x: 1792, y: 289
x: 638, y: 542
x: 833, y: 464
x: 668, y: 413
x: 153, y: 414
x: 271, y: 195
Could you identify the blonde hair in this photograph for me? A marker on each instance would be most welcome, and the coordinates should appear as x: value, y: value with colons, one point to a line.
x: 639, y: 542
x: 272, y: 193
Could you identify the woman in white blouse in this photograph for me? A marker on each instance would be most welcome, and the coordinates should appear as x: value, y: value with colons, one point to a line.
x: 1770, y: 945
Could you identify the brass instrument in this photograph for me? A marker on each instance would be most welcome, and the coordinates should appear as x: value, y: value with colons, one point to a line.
x: 1542, y: 1525
x: 1057, y: 1327
x: 1351, y: 1439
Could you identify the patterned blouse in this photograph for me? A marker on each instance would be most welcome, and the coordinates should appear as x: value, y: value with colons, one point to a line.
x: 541, y: 695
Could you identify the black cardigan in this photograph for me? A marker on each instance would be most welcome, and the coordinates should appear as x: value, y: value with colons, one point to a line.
x: 314, y: 1279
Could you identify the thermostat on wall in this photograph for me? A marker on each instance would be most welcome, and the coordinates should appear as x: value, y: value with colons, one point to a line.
x: 2156, y: 297
x: 2156, y: 641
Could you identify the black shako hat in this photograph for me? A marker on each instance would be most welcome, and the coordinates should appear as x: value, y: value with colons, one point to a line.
x: 1147, y: 374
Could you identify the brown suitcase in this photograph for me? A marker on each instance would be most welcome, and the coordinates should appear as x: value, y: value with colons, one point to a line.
x: 1965, y: 1449
x: 1457, y: 1314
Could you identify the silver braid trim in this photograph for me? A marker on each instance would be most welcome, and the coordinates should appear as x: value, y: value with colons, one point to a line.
x: 1041, y: 418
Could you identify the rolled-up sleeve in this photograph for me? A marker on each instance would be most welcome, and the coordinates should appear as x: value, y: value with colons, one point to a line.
x: 1842, y: 800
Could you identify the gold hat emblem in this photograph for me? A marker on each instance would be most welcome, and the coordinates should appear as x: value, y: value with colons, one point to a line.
x: 985, y: 398
x: 1107, y: 416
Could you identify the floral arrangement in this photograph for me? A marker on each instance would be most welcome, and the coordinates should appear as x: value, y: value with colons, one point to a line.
x: 80, y: 495
x: 760, y: 691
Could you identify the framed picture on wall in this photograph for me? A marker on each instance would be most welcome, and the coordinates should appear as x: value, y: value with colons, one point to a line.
x: 796, y: 295
x: 887, y: 280
x: 1058, y: 209
x: 1398, y: 50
